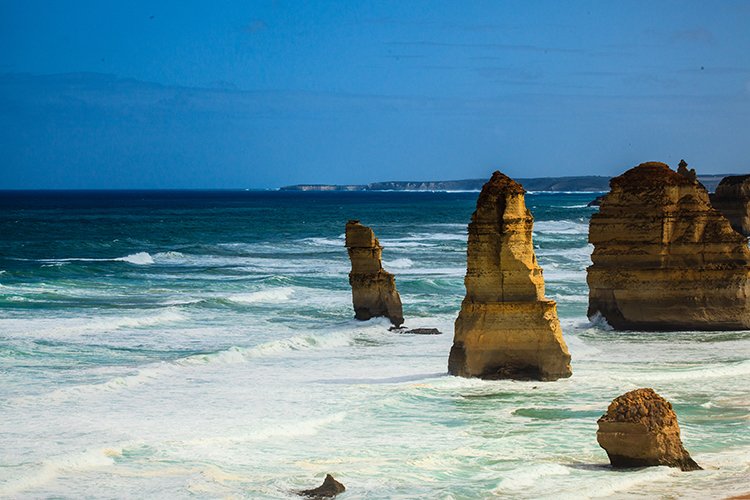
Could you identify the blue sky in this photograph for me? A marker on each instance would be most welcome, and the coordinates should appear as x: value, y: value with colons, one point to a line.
x: 104, y: 94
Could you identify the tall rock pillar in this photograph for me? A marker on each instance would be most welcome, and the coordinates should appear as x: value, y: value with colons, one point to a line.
x: 506, y: 327
x: 373, y: 289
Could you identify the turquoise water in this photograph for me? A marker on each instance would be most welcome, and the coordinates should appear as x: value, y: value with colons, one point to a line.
x: 174, y: 345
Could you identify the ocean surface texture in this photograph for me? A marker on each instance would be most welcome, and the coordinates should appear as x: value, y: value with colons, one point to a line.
x: 202, y: 345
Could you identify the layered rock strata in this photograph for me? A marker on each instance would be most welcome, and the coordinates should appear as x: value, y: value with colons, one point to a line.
x: 506, y: 327
x: 732, y: 198
x: 373, y: 289
x: 664, y: 259
x: 640, y: 429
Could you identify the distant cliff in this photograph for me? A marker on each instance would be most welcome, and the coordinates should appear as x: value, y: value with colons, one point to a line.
x: 588, y: 183
x: 581, y: 183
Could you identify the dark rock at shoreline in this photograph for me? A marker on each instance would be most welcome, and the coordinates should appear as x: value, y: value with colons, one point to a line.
x: 640, y: 429
x: 373, y: 289
x: 416, y: 331
x: 330, y: 488
x: 507, y: 328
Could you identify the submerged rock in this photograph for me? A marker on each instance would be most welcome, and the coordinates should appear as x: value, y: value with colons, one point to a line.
x: 640, y: 429
x: 664, y: 258
x: 732, y: 198
x: 416, y: 331
x: 373, y: 289
x: 329, y: 488
x: 506, y: 327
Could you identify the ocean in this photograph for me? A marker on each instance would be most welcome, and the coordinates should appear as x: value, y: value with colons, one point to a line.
x: 202, y: 345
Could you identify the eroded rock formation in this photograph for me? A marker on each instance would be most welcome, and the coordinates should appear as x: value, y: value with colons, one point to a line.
x: 664, y: 259
x: 640, y: 429
x: 732, y: 198
x: 506, y: 327
x: 373, y: 289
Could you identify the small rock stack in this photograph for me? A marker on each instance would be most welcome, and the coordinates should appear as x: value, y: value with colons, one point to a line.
x: 640, y: 429
x: 373, y: 289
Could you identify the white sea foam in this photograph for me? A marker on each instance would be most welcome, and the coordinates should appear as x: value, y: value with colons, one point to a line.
x: 51, y: 468
x: 529, y: 476
x: 271, y: 296
x: 560, y: 227
x: 737, y: 370
x: 169, y: 257
x: 140, y: 258
x: 47, y: 328
x: 289, y: 430
x: 324, y: 242
x: 403, y: 263
x: 232, y: 355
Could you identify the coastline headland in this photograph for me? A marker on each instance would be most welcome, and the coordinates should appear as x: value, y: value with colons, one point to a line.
x: 584, y: 183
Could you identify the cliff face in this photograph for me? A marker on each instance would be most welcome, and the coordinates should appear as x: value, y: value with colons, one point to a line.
x: 640, y: 429
x: 506, y: 327
x: 732, y: 198
x: 373, y: 289
x: 664, y: 259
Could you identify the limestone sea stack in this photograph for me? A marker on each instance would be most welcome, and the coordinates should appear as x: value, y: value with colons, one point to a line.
x: 664, y: 259
x: 506, y: 327
x: 732, y: 198
x: 373, y: 289
x: 640, y: 429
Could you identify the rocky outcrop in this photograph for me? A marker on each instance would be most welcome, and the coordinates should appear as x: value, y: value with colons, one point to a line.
x: 682, y: 169
x: 415, y: 331
x: 640, y: 429
x: 506, y: 327
x: 329, y: 489
x: 373, y: 289
x: 664, y: 259
x: 732, y: 198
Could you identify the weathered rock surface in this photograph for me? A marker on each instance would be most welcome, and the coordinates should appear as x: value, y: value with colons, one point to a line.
x: 664, y: 258
x: 330, y: 488
x: 732, y: 198
x: 640, y: 429
x: 506, y: 327
x: 373, y: 289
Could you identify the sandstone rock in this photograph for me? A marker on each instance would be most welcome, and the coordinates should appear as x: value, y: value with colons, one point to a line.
x: 732, y: 198
x: 373, y: 289
x: 329, y: 488
x: 664, y: 259
x: 506, y: 327
x: 640, y: 429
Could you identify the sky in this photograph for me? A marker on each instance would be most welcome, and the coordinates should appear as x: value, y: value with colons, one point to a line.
x: 260, y: 94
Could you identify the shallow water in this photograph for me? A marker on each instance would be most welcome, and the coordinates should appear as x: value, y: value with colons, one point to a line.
x: 202, y: 344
